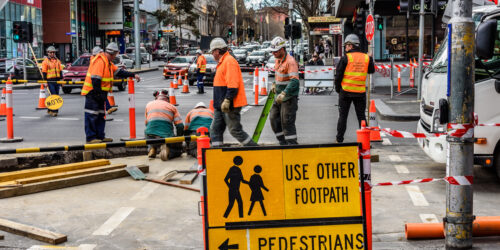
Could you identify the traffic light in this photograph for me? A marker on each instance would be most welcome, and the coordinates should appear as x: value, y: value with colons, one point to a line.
x: 17, y: 29
x: 22, y: 32
x: 405, y: 5
x: 160, y: 34
x: 230, y: 32
x: 380, y: 23
x: 288, y: 28
x: 359, y: 24
x: 296, y: 30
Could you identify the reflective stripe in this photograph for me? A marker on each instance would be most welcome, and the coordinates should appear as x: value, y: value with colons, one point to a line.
x: 160, y: 111
x: 177, y: 119
x: 216, y: 143
x: 354, y: 74
x: 280, y: 134
x: 95, y: 77
x: 358, y: 89
x: 159, y: 119
x: 282, y: 83
x: 288, y: 137
x: 354, y: 82
x: 95, y: 112
x: 287, y: 75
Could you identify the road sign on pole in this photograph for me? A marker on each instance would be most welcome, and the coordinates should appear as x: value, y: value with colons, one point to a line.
x: 369, y: 28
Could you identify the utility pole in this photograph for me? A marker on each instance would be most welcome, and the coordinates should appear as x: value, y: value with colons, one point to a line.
x: 136, y: 35
x: 459, y: 217
x: 290, y: 9
x: 235, y: 22
x: 77, y: 30
x: 420, y: 48
x: 25, y: 74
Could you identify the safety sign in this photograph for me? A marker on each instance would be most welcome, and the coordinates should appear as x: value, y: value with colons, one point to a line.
x: 284, y: 197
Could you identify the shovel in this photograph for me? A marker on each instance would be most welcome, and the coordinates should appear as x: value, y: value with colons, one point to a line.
x: 137, y: 174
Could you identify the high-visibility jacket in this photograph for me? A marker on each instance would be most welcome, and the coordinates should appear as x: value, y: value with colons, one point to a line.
x: 287, y: 76
x: 52, y: 67
x: 354, y: 79
x: 100, y: 71
x: 228, y: 83
x: 197, y: 118
x: 160, y: 117
x: 201, y: 63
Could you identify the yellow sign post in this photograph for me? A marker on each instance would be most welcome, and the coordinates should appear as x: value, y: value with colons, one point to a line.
x: 303, y: 197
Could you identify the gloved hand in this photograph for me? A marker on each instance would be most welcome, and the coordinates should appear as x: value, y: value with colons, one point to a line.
x: 280, y: 97
x: 273, y: 87
x: 225, y: 106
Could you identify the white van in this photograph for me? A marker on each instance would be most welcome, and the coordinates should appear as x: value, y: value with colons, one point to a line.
x: 486, y: 99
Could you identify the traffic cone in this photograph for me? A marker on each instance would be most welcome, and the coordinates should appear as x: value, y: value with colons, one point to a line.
x: 171, y: 84
x: 255, y: 79
x: 372, y: 115
x: 111, y: 99
x: 3, y: 104
x: 211, y: 107
x: 180, y: 80
x: 172, y: 99
x: 41, y: 98
x: 186, y: 77
x: 175, y: 82
x: 185, y: 89
x: 263, y: 90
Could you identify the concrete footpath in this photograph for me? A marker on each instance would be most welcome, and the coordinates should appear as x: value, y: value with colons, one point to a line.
x: 404, y: 107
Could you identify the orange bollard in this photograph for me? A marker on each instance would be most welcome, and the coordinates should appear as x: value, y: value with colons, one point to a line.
x: 372, y: 115
x: 172, y: 99
x: 131, y: 111
x: 41, y: 98
x: 363, y: 136
x: 412, y: 76
x: 3, y: 104
x: 202, y: 142
x: 10, y: 113
x: 256, y: 81
x: 399, y: 79
x: 211, y: 107
x: 111, y: 99
x: 263, y: 89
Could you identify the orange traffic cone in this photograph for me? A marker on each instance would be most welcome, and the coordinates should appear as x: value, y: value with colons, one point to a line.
x: 185, y: 89
x: 263, y: 90
x: 111, y: 99
x: 180, y: 80
x: 41, y: 98
x: 171, y: 84
x: 172, y: 99
x: 211, y: 107
x: 372, y: 115
x: 3, y: 104
x: 175, y: 81
x: 186, y: 77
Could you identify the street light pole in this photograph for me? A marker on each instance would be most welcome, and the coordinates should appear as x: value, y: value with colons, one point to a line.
x: 290, y: 8
x: 420, y: 47
x: 77, y: 32
x: 235, y: 22
x: 136, y: 35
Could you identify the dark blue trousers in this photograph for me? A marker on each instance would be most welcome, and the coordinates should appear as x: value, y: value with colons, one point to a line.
x: 54, y: 90
x: 94, y: 115
x: 199, y: 79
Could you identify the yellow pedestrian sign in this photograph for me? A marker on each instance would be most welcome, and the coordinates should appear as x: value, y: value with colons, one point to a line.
x: 258, y: 195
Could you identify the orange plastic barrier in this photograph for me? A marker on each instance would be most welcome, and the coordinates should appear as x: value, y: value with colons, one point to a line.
x: 482, y: 226
x: 10, y: 113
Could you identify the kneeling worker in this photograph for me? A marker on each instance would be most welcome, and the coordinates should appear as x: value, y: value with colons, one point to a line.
x: 160, y: 117
x: 198, y: 117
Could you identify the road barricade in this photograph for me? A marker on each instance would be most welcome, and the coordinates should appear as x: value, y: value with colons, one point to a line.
x: 3, y: 104
x: 131, y: 111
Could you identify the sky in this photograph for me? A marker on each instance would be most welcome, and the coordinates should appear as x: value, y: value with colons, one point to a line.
x: 252, y: 3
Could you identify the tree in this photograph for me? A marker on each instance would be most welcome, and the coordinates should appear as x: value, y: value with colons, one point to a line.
x: 180, y: 12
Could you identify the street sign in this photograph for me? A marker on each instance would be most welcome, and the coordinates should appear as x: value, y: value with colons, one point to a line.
x: 70, y: 33
x: 335, y: 29
x: 369, y: 28
x: 299, y: 194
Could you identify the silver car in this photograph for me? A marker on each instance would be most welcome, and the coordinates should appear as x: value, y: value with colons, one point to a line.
x: 240, y: 55
x: 257, y: 58
x: 130, y: 51
x: 123, y: 60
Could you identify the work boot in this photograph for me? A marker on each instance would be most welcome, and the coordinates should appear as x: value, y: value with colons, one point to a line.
x: 112, y: 109
x: 107, y: 140
x: 152, y: 153
x: 94, y: 141
x: 164, y: 151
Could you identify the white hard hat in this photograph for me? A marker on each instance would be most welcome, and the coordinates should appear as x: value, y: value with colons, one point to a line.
x: 277, y: 43
x: 199, y: 51
x: 51, y: 49
x: 352, y: 39
x: 200, y: 104
x: 112, y: 48
x: 96, y: 50
x: 217, y: 43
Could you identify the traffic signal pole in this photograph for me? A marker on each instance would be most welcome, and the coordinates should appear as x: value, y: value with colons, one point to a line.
x: 459, y: 217
x: 290, y: 8
x: 136, y: 35
x: 420, y: 48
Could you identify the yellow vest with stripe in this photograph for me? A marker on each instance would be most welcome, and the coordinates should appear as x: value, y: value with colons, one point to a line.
x: 355, y: 72
x: 52, y: 67
x: 106, y: 75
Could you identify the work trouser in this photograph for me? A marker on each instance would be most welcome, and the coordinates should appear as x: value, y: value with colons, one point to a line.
x: 344, y: 105
x: 54, y: 90
x: 94, y: 115
x: 230, y: 119
x: 199, y: 82
x: 192, y: 146
x: 282, y: 119
x: 175, y: 148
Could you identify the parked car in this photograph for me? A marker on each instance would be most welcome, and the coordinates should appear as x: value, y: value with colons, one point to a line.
x: 257, y: 58
x: 240, y: 55
x: 145, y: 56
x: 209, y: 74
x: 77, y: 71
x: 178, y: 65
x: 123, y: 60
x: 270, y: 65
x: 14, y: 69
x: 160, y: 54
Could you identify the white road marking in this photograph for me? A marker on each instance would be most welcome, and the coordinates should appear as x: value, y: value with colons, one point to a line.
x: 417, y: 197
x: 114, y: 221
x: 395, y: 158
x: 118, y: 120
x: 245, y: 109
x: 140, y: 92
x: 386, y: 141
x: 429, y: 218
x: 401, y: 169
x: 149, y: 188
x: 68, y: 118
x: 29, y: 117
x: 246, y: 80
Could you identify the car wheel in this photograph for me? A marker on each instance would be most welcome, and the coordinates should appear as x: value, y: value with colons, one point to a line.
x: 66, y: 90
x: 122, y: 86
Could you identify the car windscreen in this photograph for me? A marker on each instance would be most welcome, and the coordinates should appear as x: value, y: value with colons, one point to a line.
x: 179, y: 60
x: 210, y: 59
x: 240, y: 51
x: 257, y: 53
x: 82, y: 61
x: 272, y: 59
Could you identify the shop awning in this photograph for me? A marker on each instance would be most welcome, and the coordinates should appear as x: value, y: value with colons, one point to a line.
x: 345, y: 8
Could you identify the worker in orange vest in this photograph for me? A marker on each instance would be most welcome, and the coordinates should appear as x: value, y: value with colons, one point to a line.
x: 200, y: 116
x: 109, y: 109
x: 201, y: 68
x: 98, y: 82
x: 350, y: 82
x: 52, y: 71
x: 229, y: 96
x: 161, y: 116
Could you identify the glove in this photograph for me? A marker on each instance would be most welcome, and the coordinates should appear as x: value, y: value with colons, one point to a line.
x: 273, y: 87
x: 280, y: 97
x: 225, y: 106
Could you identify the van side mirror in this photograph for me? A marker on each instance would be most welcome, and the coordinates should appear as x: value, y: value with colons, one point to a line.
x: 485, y: 39
x: 497, y: 86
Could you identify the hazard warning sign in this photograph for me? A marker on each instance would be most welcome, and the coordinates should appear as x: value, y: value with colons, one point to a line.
x: 261, y: 197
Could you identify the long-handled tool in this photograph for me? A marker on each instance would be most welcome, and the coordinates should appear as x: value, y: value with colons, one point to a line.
x: 263, y: 117
x: 137, y: 174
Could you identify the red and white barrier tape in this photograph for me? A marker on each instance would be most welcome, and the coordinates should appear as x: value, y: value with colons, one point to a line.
x: 461, y: 130
x: 453, y: 180
x: 404, y: 65
x: 404, y: 134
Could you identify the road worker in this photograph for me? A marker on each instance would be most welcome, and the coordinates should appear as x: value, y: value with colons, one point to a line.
x: 96, y: 50
x: 286, y: 86
x: 198, y: 117
x: 229, y: 96
x: 98, y: 82
x: 350, y: 82
x: 201, y: 68
x: 52, y: 72
x: 161, y: 116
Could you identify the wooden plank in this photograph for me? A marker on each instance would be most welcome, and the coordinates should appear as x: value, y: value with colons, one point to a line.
x: 67, y: 182
x: 190, y: 177
x: 10, y: 176
x: 32, y: 232
x: 69, y: 174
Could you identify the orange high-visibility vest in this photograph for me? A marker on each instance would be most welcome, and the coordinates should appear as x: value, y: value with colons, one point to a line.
x: 355, y: 72
x: 162, y: 111
x: 196, y: 113
x: 201, y: 63
x: 102, y: 69
x: 52, y: 67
